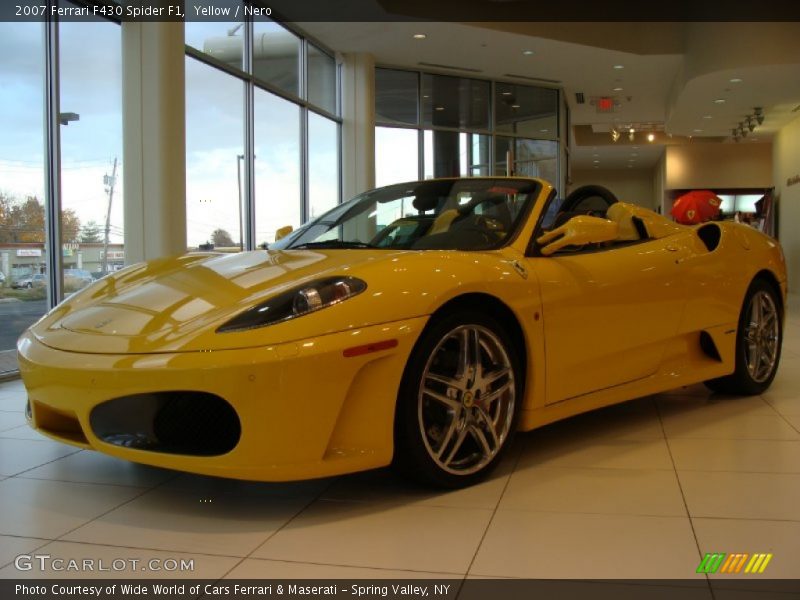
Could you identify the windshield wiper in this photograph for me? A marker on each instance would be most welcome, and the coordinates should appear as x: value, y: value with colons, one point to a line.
x: 332, y: 244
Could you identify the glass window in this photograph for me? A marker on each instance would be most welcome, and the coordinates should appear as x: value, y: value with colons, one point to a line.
x: 463, y: 214
x: 537, y: 158
x: 323, y: 164
x: 526, y: 111
x: 455, y: 102
x: 277, y: 165
x: 22, y: 235
x: 214, y: 156
x: 396, y: 96
x: 396, y: 155
x: 321, y: 79
x: 276, y: 56
x: 223, y: 41
x: 91, y: 151
x: 532, y: 158
x: 454, y: 154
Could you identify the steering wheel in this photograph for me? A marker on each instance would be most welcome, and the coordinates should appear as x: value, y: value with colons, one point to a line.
x: 592, y: 200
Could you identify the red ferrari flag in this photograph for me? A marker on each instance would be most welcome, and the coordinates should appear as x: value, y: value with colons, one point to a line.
x: 695, y: 207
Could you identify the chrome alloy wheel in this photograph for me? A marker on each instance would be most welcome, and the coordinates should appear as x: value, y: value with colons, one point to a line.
x: 466, y: 399
x: 761, y: 337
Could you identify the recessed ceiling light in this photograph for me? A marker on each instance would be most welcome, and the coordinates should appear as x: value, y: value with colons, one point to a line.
x: 420, y: 36
x: 634, y: 154
x: 596, y: 161
x: 618, y: 67
x: 527, y: 52
x: 618, y: 89
x: 439, y: 108
x: 735, y: 80
x: 630, y: 166
x: 515, y: 106
x: 707, y: 116
x: 636, y: 147
x: 425, y: 96
x: 719, y: 101
x: 543, y: 130
x: 596, y: 167
x: 595, y: 155
x: 506, y: 93
x: 698, y: 131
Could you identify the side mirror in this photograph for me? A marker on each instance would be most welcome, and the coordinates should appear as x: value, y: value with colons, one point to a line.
x: 282, y: 232
x: 578, y: 231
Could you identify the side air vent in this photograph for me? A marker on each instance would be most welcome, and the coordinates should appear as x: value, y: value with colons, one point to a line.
x: 708, y: 346
x: 580, y: 98
x: 710, y: 235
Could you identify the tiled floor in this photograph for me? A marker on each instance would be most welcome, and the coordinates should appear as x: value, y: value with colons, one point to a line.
x: 639, y: 490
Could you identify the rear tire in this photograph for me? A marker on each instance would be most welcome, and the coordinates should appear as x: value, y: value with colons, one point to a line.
x: 758, y: 343
x: 459, y: 401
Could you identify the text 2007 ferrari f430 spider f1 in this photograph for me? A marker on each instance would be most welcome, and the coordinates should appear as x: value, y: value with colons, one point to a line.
x: 421, y: 324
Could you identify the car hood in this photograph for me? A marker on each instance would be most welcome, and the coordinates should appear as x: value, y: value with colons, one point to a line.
x: 176, y: 305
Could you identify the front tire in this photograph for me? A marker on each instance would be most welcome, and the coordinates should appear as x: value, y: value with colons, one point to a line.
x: 458, y: 402
x: 758, y: 343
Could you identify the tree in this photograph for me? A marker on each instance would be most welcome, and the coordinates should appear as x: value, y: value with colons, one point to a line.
x: 23, y: 221
x: 91, y: 233
x: 222, y: 239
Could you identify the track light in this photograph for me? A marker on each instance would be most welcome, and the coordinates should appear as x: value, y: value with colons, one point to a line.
x: 631, y: 133
x: 614, y: 135
x: 759, y: 114
x: 651, y: 137
x: 751, y: 124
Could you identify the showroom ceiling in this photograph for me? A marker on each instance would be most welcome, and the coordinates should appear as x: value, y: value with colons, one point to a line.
x: 661, y: 76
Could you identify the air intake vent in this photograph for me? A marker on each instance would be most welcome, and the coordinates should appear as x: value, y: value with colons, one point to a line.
x: 526, y: 78
x: 449, y: 67
x: 580, y: 98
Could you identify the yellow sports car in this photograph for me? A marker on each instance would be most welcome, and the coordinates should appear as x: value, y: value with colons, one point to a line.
x: 421, y: 324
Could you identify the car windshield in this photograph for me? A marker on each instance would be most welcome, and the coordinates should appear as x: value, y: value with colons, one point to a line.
x: 442, y: 214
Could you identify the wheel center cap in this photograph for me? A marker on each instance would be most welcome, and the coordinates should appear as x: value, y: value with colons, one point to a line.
x: 468, y: 399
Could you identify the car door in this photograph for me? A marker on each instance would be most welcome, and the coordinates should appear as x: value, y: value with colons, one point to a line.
x: 609, y: 312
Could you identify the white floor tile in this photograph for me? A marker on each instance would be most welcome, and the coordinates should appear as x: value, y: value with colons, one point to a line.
x: 49, y: 509
x: 17, y: 456
x: 87, y: 466
x: 406, y: 537
x: 611, y: 491
x: 256, y: 568
x: 579, y: 546
x: 11, y: 420
x: 221, y: 524
x: 760, y: 456
x: 386, y: 486
x: 543, y: 449
x: 742, y: 495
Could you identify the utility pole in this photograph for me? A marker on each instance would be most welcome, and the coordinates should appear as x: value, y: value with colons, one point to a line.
x: 109, y: 182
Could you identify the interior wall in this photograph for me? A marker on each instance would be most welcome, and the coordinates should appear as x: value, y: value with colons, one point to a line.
x: 629, y: 185
x: 660, y: 184
x: 786, y: 153
x: 698, y: 166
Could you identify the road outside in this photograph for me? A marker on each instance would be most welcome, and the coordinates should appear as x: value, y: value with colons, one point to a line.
x: 15, y: 317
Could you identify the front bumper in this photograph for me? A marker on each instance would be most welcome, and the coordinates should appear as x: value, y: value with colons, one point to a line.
x: 305, y: 409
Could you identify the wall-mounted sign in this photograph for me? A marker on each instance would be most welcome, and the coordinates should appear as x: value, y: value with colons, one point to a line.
x: 29, y: 251
x: 792, y: 180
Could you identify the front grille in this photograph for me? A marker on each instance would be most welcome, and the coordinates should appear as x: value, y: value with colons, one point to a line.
x: 179, y: 422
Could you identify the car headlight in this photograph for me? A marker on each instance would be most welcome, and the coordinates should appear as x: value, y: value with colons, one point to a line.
x: 296, y: 302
